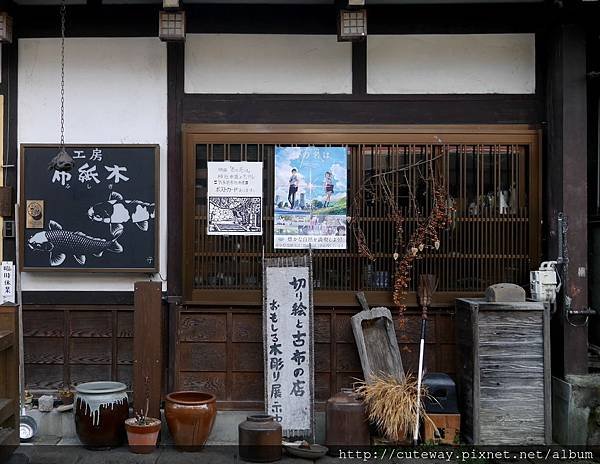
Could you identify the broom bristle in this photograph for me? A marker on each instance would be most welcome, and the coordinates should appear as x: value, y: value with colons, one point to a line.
x: 427, y: 286
x: 392, y: 404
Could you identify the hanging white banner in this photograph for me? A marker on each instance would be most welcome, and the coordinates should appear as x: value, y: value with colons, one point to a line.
x: 288, y: 322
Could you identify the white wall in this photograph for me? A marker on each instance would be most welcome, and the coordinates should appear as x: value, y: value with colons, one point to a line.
x: 115, y: 92
x: 273, y: 63
x: 458, y: 63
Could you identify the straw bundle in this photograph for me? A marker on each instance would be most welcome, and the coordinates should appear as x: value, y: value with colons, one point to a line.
x: 392, y: 404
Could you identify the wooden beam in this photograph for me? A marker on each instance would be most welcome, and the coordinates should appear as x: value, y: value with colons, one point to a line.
x: 356, y: 109
x: 147, y: 347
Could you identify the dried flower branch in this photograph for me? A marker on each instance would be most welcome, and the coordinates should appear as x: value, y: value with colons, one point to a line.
x: 430, y: 220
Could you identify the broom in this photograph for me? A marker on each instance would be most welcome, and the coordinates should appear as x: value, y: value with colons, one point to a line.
x: 427, y: 286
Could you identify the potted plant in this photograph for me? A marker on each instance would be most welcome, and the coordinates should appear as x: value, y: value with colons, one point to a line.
x: 66, y: 395
x: 142, y: 431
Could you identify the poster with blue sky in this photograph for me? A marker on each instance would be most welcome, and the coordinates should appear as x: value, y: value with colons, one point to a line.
x: 310, y: 197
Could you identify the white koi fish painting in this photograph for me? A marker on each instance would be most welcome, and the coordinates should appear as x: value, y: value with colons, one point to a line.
x: 118, y: 211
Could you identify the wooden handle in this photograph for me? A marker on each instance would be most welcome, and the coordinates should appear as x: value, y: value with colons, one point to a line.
x: 362, y: 299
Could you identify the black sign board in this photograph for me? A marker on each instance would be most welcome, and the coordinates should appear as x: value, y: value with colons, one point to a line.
x: 100, y: 216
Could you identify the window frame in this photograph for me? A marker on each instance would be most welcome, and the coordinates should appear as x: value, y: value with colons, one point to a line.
x: 279, y: 134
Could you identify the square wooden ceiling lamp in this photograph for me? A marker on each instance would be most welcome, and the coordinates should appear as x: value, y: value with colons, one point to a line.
x: 171, y: 26
x: 352, y: 25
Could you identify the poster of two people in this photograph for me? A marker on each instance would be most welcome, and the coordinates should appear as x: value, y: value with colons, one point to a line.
x: 310, y: 199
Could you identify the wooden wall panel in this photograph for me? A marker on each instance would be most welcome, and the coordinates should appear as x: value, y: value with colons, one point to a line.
x: 246, y: 328
x: 247, y: 357
x: 347, y: 358
x: 203, y: 356
x: 322, y: 357
x: 43, y: 324
x: 322, y: 328
x: 210, y: 382
x: 43, y: 350
x: 247, y: 386
x: 229, y: 361
x: 43, y: 376
x: 125, y: 324
x: 90, y: 351
x: 202, y: 328
x: 124, y: 351
x: 69, y: 344
x: 322, y: 383
x: 125, y: 375
x: 82, y: 373
x: 91, y: 324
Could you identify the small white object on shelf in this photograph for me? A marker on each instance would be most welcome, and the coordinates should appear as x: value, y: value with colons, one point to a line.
x: 46, y: 403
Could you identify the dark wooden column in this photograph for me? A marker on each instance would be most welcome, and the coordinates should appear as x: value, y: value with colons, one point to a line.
x: 565, y: 181
x: 175, y: 90
x: 8, y: 88
x: 147, y: 347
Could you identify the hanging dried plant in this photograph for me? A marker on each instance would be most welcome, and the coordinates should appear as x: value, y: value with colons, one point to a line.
x: 378, y: 188
x: 392, y: 405
x: 425, y: 236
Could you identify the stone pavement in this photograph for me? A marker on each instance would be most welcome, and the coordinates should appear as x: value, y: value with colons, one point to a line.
x: 45, y: 453
x: 48, y: 454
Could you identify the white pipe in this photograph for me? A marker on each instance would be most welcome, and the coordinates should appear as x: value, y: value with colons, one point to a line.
x: 419, y: 380
x: 19, y: 302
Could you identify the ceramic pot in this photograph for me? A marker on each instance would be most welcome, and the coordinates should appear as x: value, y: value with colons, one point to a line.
x: 101, y: 409
x: 142, y: 438
x: 259, y: 439
x: 347, y: 422
x: 190, y: 417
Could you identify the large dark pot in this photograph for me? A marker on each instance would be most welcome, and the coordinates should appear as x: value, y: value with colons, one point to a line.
x: 101, y: 409
x: 347, y: 422
x: 190, y: 417
x: 259, y: 439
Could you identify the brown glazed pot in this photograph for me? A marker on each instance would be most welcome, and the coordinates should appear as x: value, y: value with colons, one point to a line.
x: 101, y: 409
x: 259, y: 439
x: 347, y: 422
x: 142, y: 438
x: 190, y: 417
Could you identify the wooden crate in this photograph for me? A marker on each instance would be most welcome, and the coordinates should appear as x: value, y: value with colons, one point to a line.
x: 446, y: 430
x: 9, y: 380
x: 503, y: 372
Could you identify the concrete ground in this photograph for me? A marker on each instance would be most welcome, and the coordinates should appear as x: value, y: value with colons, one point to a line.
x: 166, y: 455
x: 214, y: 454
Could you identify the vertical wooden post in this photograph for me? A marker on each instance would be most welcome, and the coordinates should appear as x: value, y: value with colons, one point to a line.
x: 175, y: 93
x: 565, y: 169
x: 147, y: 347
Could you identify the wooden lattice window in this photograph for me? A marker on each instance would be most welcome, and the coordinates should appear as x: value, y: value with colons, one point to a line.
x: 492, y: 178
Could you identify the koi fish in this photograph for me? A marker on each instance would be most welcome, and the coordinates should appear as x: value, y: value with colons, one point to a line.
x: 59, y: 243
x: 117, y: 211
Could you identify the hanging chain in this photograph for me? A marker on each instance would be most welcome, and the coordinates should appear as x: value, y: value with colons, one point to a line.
x: 63, y: 14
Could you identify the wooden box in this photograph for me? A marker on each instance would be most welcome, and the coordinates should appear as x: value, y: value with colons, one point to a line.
x: 446, y: 430
x: 503, y: 372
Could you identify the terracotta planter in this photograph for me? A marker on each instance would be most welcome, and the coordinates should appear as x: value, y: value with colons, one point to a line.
x: 101, y: 409
x: 142, y: 438
x: 190, y: 417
